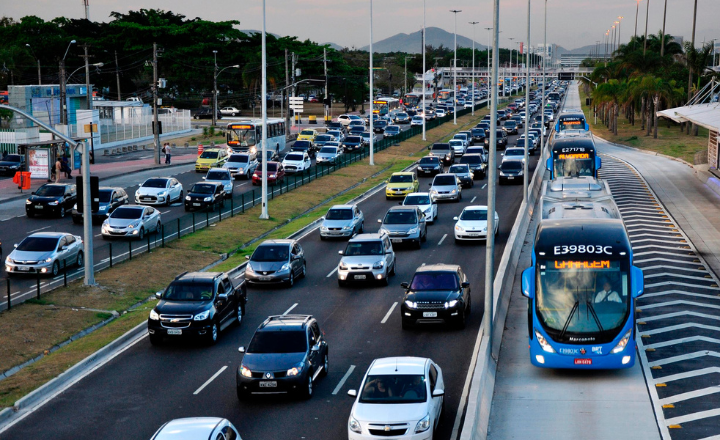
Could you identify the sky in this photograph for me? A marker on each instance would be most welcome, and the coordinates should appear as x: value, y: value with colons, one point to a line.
x: 570, y: 23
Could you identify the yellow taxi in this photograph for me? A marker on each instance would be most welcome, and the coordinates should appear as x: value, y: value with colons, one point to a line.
x: 401, y: 184
x: 211, y: 158
x: 309, y: 134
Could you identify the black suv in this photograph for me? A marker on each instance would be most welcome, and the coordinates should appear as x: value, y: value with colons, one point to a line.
x: 206, y: 113
x: 478, y: 135
x: 501, y: 139
x: 11, y: 164
x: 429, y: 165
x: 205, y: 195
x: 197, y: 305
x: 286, y: 354
x: 437, y: 293
x: 51, y: 199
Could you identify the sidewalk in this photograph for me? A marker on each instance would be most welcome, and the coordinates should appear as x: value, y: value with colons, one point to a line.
x: 9, y: 190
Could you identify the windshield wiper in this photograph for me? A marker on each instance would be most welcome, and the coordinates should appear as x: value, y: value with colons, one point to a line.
x: 595, y: 317
x: 567, y: 323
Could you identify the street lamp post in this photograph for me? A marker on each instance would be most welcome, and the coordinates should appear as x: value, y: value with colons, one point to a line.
x: 63, y: 114
x: 619, y: 38
x: 423, y: 74
x: 637, y: 9
x: 455, y: 12
x: 527, y: 114
x: 542, y: 102
x: 215, y: 75
x: 372, y: 73
x: 38, y: 63
x: 264, y: 214
x: 647, y: 12
x: 488, y: 54
x: 472, y: 96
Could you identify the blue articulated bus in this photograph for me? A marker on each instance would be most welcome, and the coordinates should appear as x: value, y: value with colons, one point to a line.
x: 571, y: 120
x: 573, y: 156
x: 581, y: 291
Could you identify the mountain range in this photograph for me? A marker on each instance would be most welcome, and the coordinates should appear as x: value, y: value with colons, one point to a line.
x: 412, y: 43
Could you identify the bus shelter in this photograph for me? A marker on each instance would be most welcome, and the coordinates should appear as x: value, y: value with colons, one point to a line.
x: 40, y: 157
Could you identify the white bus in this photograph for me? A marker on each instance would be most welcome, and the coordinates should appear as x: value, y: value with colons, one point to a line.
x: 246, y: 135
x: 384, y: 106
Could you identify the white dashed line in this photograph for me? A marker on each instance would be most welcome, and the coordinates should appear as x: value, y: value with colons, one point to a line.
x: 387, y: 315
x: 473, y: 199
x: 290, y: 309
x: 442, y: 239
x: 214, y: 376
x: 35, y: 230
x: 331, y: 273
x: 483, y: 187
x: 343, y: 380
x: 164, y: 212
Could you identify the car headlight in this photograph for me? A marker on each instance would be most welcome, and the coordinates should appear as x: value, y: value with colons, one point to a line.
x: 241, y: 170
x: 154, y: 315
x: 187, y: 198
x: 544, y: 344
x: 413, y: 231
x: 245, y: 371
x: 342, y: 266
x: 347, y: 228
x: 28, y: 202
x: 423, y: 425
x: 53, y: 203
x: 137, y: 193
x: 285, y: 267
x: 9, y: 260
x: 48, y: 260
x: 249, y: 268
x: 102, y: 208
x: 623, y: 342
x: 105, y: 226
x: 207, y: 199
x: 379, y: 264
x: 162, y: 193
x: 133, y: 225
x: 75, y: 206
x: 354, y: 425
x: 297, y: 369
x: 459, y: 228
x: 453, y: 191
x: 450, y: 304
x: 411, y: 304
x: 202, y: 316
x: 383, y: 231
x: 272, y: 176
x: 323, y: 228
x: 433, y: 192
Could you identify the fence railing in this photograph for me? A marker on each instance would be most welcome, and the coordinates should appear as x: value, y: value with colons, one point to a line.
x: 21, y: 288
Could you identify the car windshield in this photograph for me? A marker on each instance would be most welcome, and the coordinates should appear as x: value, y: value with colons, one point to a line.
x: 209, y: 155
x: 202, y: 188
x: 189, y: 291
x: 400, y: 217
x: 50, y: 191
x: 298, y: 145
x: 392, y: 128
x: 271, y: 252
x: 434, y: 281
x: 401, y: 178
x: 328, y: 150
x: 475, y: 150
x: 520, y: 143
x: 417, y: 200
x: 514, y: 152
x: 569, y: 165
x: 459, y: 169
x: 474, y: 214
x: 352, y: 140
x: 510, y: 123
x: 239, y: 158
x: 298, y: 157
x: 323, y: 138
x: 359, y: 248
x: 217, y: 175
x: 339, y: 214
x: 271, y: 166
x: 105, y: 195
x: 511, y: 165
x: 440, y: 147
x: 444, y: 180
x: 455, y: 142
x: 470, y: 159
x: 307, y: 132
x: 266, y: 342
x: 393, y: 389
x: 428, y: 160
x: 38, y: 244
x: 13, y: 158
x: 402, y: 115
x: 478, y: 132
x: 127, y: 213
x: 155, y: 183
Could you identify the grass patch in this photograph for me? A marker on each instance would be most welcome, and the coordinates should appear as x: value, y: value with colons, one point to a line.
x: 670, y: 141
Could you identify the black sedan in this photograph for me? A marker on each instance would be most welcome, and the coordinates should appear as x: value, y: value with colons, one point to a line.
x: 51, y: 199
x: 110, y: 199
x: 205, y: 195
x: 304, y: 146
x: 437, y: 293
x: 206, y: 113
x: 11, y: 164
x: 431, y: 165
x: 353, y: 143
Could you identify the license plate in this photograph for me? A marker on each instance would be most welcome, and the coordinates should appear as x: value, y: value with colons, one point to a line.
x: 38, y: 206
x: 266, y: 278
x: 474, y: 235
x: 23, y: 269
x: 583, y: 361
x: 360, y: 277
x: 429, y: 314
x: 196, y: 204
x: 511, y: 178
x: 268, y: 384
x: 397, y: 240
x: 174, y: 331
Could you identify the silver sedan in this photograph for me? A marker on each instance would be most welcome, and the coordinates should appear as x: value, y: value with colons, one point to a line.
x: 132, y: 221
x: 45, y: 253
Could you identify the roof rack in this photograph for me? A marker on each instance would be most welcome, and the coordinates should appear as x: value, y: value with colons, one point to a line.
x: 304, y: 318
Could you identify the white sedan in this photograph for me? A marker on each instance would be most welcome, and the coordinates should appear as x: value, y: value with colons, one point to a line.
x: 459, y: 146
x: 423, y: 201
x: 416, y: 120
x: 296, y: 162
x: 472, y: 223
x: 229, y: 111
x: 159, y: 191
x: 400, y: 397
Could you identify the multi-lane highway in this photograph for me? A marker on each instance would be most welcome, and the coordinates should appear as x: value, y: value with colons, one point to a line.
x: 132, y: 395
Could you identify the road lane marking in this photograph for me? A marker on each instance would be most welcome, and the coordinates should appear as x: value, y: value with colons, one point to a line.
x: 331, y: 273
x: 342, y: 381
x: 290, y: 309
x: 214, y: 376
x: 387, y: 315
x: 473, y: 199
x: 483, y: 187
x: 35, y: 230
x: 164, y: 212
x: 442, y: 239
x: 98, y: 235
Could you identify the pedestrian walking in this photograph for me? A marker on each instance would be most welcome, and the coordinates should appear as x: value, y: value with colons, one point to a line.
x: 58, y: 170
x: 66, y: 167
x: 167, y: 151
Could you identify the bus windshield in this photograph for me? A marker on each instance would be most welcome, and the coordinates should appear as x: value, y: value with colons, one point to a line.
x: 571, y: 123
x: 574, y: 164
x: 242, y: 136
x: 575, y: 299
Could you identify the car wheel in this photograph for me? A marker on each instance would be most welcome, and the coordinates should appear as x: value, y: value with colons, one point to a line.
x: 155, y: 340
x: 303, y: 274
x: 423, y: 238
x: 80, y: 259
x: 462, y: 321
x: 55, y: 268
x: 30, y: 214
x: 158, y: 227
x: 385, y: 281
x: 242, y: 395
x: 239, y: 312
x: 469, y: 305
x: 141, y: 234
x: 322, y: 238
x: 307, y: 391
x: 291, y: 280
x: 325, y: 366
x: 392, y: 271
x: 180, y: 199
x: 62, y: 212
x: 213, y: 335
x: 341, y: 283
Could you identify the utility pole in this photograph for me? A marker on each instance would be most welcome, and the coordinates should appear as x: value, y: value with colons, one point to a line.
x: 662, y: 42
x: 647, y: 12
x: 117, y: 76
x: 294, y: 86
x: 424, y: 72
x: 86, y: 3
x: 372, y: 94
x: 455, y: 13
x: 690, y: 76
x: 472, y: 112
x: 285, y: 95
x: 156, y: 130
x: 215, y: 75
x: 263, y: 75
x: 526, y: 171
x: 327, y: 98
x: 87, y: 75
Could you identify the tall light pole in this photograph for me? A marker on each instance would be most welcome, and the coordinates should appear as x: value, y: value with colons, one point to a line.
x: 542, y: 102
x: 264, y: 214
x: 615, y: 32
x: 662, y: 42
x: 38, y: 63
x: 472, y: 112
x: 511, y: 51
x: 372, y: 73
x: 607, y: 41
x: 619, y: 38
x: 488, y: 54
x: 647, y: 12
x: 215, y: 75
x: 455, y: 12
x: 63, y: 113
x: 423, y: 73
x: 527, y: 111
x: 637, y: 9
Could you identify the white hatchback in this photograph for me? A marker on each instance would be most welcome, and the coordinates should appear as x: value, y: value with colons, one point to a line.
x: 472, y: 223
x: 400, y: 397
x: 296, y: 162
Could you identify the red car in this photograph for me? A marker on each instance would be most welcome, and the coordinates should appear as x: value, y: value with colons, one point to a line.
x: 276, y: 174
x: 313, y: 99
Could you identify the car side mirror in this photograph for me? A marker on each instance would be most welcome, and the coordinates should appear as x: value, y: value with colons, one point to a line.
x: 638, y: 281
x: 204, y: 178
x: 465, y: 285
x: 598, y: 163
x: 158, y: 295
x: 528, y: 282
x: 548, y: 164
x: 32, y: 193
x: 222, y: 296
x: 438, y: 392
x: 405, y: 285
x: 241, y: 349
x: 247, y: 257
x: 315, y: 348
x: 379, y: 221
x: 352, y: 393
x: 340, y: 252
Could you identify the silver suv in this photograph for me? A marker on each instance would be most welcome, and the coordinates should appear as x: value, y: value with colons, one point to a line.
x: 241, y: 165
x: 446, y: 187
x: 367, y: 257
x: 342, y: 221
x: 405, y: 224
